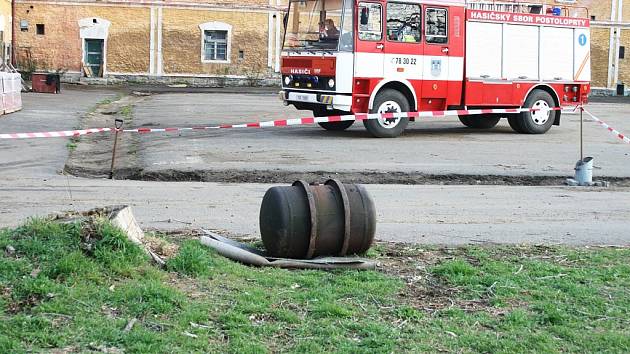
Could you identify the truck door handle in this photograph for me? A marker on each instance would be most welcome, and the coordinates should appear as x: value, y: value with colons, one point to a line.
x: 445, y: 50
x: 380, y: 46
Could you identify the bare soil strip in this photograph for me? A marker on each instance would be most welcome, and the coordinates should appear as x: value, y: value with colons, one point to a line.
x: 91, y: 158
x: 277, y: 176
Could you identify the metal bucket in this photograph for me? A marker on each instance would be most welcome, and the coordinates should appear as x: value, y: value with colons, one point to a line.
x: 305, y: 221
x: 584, y: 171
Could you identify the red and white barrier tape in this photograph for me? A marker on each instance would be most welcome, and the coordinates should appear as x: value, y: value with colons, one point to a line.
x: 349, y: 117
x: 58, y: 134
x: 610, y: 129
x: 283, y: 122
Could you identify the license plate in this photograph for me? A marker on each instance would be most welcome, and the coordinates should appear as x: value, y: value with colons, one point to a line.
x: 302, y: 97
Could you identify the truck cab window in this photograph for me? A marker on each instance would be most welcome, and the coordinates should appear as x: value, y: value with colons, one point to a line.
x: 346, y: 41
x: 436, y: 26
x: 370, y: 21
x: 313, y: 25
x: 403, y: 22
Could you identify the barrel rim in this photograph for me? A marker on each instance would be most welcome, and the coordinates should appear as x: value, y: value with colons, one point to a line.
x: 341, y: 188
x: 313, y: 211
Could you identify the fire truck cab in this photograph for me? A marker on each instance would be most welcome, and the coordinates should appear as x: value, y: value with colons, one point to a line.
x: 370, y: 56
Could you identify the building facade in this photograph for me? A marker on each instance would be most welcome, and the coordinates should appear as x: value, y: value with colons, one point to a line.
x: 144, y: 40
x: 610, y: 31
x: 204, y: 39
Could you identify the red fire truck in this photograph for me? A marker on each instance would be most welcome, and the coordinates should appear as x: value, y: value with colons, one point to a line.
x: 378, y: 56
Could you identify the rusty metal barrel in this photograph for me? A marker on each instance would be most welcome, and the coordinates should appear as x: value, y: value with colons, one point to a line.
x: 305, y: 221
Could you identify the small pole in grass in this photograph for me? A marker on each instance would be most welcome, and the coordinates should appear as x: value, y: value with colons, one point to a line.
x: 118, y: 123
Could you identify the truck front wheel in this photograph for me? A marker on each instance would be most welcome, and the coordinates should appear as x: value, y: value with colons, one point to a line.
x: 541, y: 119
x: 482, y: 121
x: 388, y: 101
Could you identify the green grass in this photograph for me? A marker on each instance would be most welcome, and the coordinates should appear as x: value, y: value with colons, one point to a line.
x: 76, y: 286
x: 72, y: 145
x: 104, y: 102
x: 127, y: 111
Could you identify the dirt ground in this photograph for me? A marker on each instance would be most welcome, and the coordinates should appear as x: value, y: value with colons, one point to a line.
x: 439, y: 184
x: 431, y: 152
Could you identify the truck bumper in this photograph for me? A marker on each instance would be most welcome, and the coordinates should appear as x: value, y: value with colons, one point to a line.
x: 331, y: 101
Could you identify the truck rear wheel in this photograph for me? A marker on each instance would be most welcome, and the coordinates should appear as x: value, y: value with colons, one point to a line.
x: 337, y: 126
x: 481, y: 121
x: 515, y: 122
x: 333, y: 126
x: 388, y: 101
x: 541, y: 120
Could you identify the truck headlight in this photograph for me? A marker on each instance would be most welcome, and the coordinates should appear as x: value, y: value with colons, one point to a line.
x: 331, y: 83
x: 287, y: 80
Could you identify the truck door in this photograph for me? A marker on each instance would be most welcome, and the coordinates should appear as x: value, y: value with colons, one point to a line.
x: 370, y: 42
x: 403, y: 44
x: 436, y: 48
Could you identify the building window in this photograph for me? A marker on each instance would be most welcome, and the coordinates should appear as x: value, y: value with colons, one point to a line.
x: 215, y: 42
x: 41, y: 30
x: 215, y: 45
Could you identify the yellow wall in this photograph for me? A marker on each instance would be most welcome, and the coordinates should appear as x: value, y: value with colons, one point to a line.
x: 60, y: 46
x: 128, y: 43
x: 181, y: 46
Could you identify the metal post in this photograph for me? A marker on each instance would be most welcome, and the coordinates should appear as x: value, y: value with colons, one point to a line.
x: 118, y: 123
x: 581, y: 133
x: 13, y: 35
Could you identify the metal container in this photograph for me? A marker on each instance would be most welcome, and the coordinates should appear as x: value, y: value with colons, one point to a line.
x: 584, y: 171
x: 305, y: 221
x: 46, y: 82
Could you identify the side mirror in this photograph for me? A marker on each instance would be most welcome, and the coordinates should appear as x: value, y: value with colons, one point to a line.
x: 285, y: 20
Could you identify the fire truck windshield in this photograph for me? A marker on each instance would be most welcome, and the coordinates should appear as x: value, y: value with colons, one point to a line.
x: 318, y: 25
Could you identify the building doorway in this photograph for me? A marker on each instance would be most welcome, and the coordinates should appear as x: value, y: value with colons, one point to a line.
x: 94, y: 57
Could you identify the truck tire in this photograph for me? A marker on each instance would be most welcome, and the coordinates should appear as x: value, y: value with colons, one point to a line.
x: 515, y: 122
x: 481, y: 121
x: 388, y: 101
x: 333, y: 126
x: 337, y: 126
x: 537, y: 122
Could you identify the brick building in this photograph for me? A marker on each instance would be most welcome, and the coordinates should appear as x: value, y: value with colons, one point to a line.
x: 143, y: 40
x: 210, y: 39
x: 610, y: 36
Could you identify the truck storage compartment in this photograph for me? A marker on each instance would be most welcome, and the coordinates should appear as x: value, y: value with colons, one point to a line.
x: 527, y: 52
x: 483, y: 50
x: 557, y: 51
x: 521, y: 52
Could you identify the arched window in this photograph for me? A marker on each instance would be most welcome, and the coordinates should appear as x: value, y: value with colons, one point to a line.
x: 215, y: 42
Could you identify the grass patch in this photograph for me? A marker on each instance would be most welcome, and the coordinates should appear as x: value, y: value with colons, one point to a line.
x: 192, y: 259
x: 127, y: 111
x: 105, y: 102
x: 72, y: 145
x: 77, y: 286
